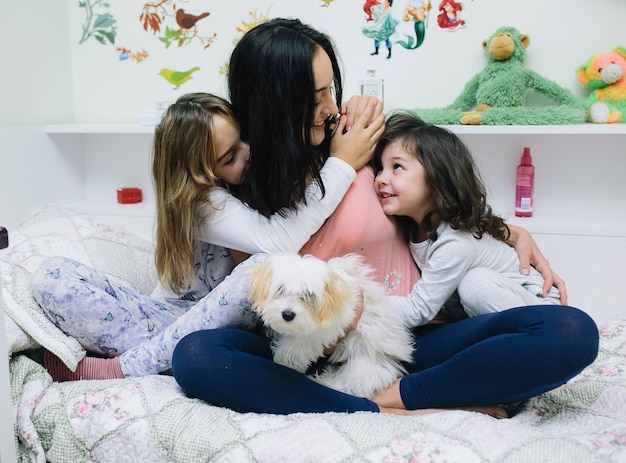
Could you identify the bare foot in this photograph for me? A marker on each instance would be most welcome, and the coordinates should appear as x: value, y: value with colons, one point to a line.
x: 405, y: 412
x: 490, y: 410
x: 390, y: 401
x: 390, y: 397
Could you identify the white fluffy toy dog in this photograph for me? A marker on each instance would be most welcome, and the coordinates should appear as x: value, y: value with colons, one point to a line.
x: 308, y: 304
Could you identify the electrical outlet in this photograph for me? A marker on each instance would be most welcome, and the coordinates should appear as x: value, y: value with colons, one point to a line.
x: 372, y: 87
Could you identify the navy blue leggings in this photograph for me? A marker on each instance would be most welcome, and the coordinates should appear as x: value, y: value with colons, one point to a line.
x: 489, y: 359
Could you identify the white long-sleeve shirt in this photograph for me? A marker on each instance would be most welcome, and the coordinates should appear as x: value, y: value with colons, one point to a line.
x: 234, y: 225
x: 446, y: 261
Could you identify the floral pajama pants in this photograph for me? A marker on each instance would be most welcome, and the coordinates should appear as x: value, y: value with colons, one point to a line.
x: 109, y: 318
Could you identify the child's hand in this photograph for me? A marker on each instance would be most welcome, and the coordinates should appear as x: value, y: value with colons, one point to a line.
x: 529, y: 254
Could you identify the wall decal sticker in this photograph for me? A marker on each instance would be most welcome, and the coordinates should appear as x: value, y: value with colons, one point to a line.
x: 381, y: 27
x: 417, y: 12
x: 367, y: 8
x: 100, y: 26
x: 450, y: 16
x: 177, y: 78
x: 255, y: 18
x: 183, y: 29
x: 126, y: 54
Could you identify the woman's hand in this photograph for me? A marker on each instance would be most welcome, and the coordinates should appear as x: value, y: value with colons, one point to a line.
x: 356, y: 146
x: 529, y: 254
x: 358, y: 104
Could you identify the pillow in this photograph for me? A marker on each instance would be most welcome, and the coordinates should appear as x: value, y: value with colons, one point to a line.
x: 16, y: 338
x: 53, y: 231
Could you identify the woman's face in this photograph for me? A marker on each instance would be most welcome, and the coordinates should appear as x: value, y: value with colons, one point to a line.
x: 232, y: 155
x: 324, y: 95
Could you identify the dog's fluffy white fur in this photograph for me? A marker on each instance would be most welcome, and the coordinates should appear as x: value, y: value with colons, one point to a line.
x: 308, y: 303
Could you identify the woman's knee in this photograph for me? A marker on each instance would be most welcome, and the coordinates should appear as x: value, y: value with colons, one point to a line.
x: 583, y: 331
x: 573, y: 331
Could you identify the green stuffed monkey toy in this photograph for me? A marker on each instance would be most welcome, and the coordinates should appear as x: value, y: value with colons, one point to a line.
x: 497, y: 94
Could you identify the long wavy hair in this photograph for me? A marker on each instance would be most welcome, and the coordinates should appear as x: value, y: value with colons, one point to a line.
x: 183, y: 161
x: 272, y: 91
x: 459, y: 194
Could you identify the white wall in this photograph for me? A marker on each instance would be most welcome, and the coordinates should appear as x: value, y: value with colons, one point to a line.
x: 36, y: 57
x: 59, y: 80
x: 36, y: 169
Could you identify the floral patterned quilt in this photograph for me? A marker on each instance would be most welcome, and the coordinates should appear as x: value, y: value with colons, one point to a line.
x: 150, y: 419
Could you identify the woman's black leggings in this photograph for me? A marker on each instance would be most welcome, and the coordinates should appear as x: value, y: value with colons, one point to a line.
x: 488, y: 359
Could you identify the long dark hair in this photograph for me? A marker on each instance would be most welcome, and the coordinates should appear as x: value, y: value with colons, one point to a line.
x: 459, y: 194
x: 272, y: 91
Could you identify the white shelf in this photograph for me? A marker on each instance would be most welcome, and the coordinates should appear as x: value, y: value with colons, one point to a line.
x: 570, y: 225
x: 578, y: 129
x: 575, y: 129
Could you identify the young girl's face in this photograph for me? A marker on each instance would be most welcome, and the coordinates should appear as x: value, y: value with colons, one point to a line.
x: 402, y: 184
x: 232, y: 155
x: 324, y: 98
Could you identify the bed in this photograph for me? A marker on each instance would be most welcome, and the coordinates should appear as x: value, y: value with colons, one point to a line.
x: 151, y: 419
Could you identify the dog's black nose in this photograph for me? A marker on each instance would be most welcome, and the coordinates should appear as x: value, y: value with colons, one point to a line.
x: 288, y: 315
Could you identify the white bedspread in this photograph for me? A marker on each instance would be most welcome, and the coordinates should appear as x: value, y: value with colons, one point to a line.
x: 150, y: 419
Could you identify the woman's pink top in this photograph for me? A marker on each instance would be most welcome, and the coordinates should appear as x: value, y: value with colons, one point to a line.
x: 359, y: 225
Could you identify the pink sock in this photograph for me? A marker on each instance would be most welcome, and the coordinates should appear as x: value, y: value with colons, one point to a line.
x: 88, y: 368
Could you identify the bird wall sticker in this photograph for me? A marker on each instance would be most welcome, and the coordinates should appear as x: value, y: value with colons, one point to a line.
x: 182, y: 29
x: 177, y: 78
x: 186, y: 20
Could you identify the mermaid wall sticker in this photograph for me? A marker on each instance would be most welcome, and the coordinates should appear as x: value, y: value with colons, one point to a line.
x: 381, y: 26
x: 449, y: 17
x: 417, y: 12
x: 367, y: 8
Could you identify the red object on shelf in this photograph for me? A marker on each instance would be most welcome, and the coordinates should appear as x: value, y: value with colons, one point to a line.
x: 129, y: 195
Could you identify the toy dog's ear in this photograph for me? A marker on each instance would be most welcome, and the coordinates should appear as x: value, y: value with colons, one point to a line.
x: 620, y: 51
x: 260, y: 279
